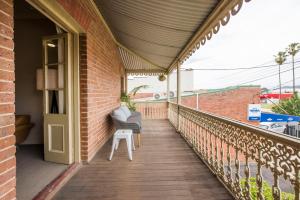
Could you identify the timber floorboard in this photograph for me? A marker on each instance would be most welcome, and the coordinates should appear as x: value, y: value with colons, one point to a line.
x: 164, y: 167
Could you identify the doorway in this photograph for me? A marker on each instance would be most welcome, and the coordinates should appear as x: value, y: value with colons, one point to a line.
x: 44, y: 69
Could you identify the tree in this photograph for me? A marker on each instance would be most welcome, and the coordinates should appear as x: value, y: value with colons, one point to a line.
x: 289, y: 106
x: 127, y: 98
x: 280, y: 58
x: 136, y: 89
x: 292, y: 50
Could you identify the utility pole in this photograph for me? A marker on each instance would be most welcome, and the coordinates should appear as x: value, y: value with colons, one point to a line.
x: 279, y: 83
x: 294, y: 82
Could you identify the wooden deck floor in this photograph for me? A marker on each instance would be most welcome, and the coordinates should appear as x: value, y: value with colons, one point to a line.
x: 164, y: 167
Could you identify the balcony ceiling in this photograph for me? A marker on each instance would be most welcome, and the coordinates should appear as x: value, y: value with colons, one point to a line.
x: 152, y: 34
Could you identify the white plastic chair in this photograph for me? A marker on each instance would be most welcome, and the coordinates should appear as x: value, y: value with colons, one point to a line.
x: 123, y: 134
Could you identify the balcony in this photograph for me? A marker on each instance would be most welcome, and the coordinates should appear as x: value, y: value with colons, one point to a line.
x: 188, y: 154
x: 92, y: 46
x: 163, y: 168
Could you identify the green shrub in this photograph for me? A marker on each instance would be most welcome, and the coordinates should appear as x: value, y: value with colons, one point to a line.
x: 288, y: 106
x: 127, y: 98
x: 128, y: 101
x: 267, y: 190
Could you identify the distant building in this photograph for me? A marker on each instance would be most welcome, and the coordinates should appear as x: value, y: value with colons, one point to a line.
x: 157, y: 87
x: 286, y: 89
x: 229, y: 102
x: 276, y: 96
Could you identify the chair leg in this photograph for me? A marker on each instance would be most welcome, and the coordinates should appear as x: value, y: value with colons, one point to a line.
x: 112, y: 148
x: 132, y: 142
x: 129, y: 147
x: 117, y: 144
x: 139, y: 139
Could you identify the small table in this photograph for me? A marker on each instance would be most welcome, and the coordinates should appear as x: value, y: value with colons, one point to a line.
x: 123, y: 134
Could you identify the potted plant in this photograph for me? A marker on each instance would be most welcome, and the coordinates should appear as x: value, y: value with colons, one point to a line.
x: 127, y: 99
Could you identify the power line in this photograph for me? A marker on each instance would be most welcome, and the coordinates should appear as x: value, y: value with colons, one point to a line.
x: 277, y: 87
x: 238, y: 73
x: 239, y: 68
x: 246, y: 73
x: 262, y: 75
x: 263, y: 70
x: 267, y: 76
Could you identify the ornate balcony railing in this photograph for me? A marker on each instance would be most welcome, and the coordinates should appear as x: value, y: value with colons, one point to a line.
x: 251, y: 163
x: 153, y: 110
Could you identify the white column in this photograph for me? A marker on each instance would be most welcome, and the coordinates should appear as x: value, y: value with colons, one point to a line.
x: 168, y: 87
x: 178, y: 95
x: 125, y: 83
x: 197, y: 99
x: 178, y: 84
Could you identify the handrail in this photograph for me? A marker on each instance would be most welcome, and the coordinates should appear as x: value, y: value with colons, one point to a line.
x: 284, y: 138
x: 234, y: 151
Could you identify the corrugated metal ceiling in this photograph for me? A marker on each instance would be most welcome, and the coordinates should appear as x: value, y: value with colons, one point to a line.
x: 137, y: 65
x: 154, y: 29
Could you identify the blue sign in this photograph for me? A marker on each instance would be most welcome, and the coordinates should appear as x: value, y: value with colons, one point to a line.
x: 254, y: 112
x: 273, y: 117
x: 253, y: 118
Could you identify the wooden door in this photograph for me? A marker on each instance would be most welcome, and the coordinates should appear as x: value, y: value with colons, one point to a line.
x: 58, y: 140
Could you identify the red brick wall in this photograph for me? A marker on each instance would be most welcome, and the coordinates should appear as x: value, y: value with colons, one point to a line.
x: 100, y: 77
x: 231, y: 103
x: 7, y: 98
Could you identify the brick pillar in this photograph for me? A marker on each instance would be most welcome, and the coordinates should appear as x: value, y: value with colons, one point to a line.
x: 83, y: 98
x: 7, y: 99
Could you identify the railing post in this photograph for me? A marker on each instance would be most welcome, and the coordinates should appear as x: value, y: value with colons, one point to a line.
x: 178, y: 94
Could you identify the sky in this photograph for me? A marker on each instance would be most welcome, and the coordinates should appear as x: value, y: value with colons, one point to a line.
x: 260, y: 30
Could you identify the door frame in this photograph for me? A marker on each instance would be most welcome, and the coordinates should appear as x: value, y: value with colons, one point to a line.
x: 56, y: 13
